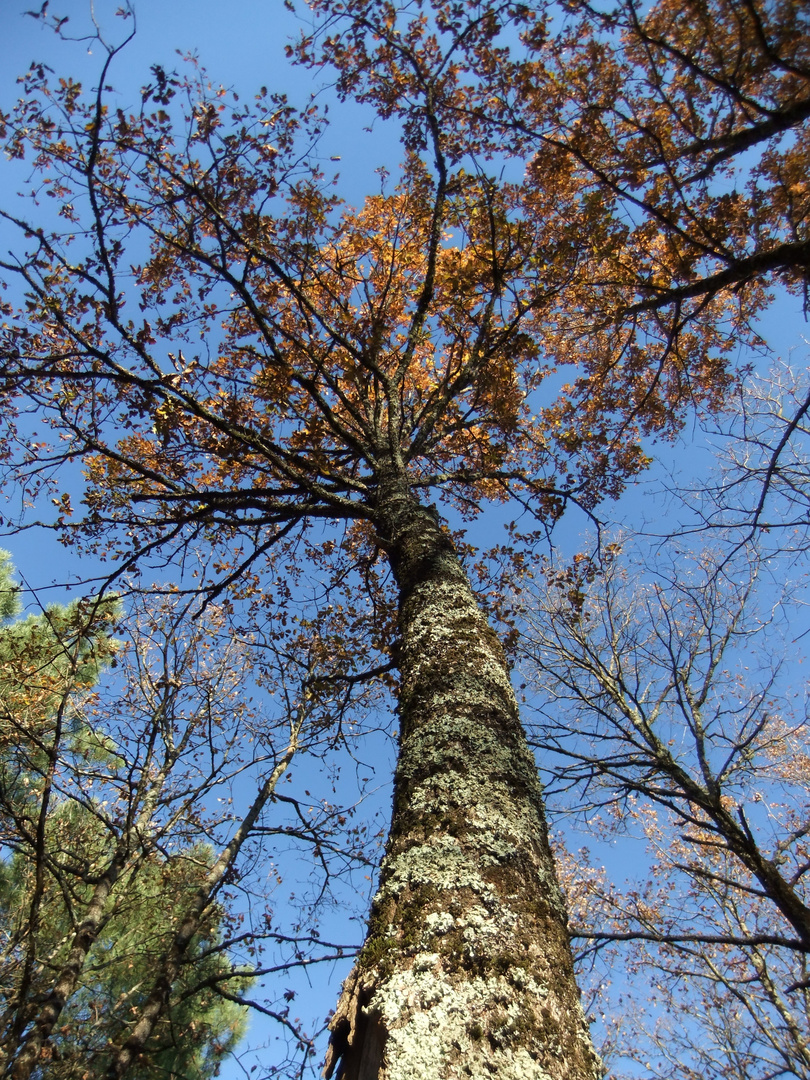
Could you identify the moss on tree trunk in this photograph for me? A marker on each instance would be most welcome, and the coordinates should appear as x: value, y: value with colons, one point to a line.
x: 466, y: 971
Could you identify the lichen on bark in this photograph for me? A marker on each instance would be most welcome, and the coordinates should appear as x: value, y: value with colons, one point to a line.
x: 467, y: 970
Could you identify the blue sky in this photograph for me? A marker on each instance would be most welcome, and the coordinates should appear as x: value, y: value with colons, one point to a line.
x: 241, y: 43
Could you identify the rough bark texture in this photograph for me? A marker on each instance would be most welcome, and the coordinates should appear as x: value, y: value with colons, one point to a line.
x: 466, y: 971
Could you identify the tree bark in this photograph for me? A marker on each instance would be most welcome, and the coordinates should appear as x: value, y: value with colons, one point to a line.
x: 65, y: 983
x: 466, y: 970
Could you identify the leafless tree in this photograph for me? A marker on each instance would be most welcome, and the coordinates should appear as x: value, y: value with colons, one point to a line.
x: 671, y: 725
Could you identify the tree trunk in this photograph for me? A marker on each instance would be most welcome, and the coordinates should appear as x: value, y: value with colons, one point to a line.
x: 65, y: 983
x: 466, y: 970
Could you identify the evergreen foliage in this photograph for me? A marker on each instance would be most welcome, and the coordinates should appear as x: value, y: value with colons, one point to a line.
x: 56, y: 844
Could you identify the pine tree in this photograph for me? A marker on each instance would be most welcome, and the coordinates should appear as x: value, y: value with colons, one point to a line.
x: 55, y: 846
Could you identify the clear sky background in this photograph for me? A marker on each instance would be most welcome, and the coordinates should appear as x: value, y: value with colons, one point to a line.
x: 241, y: 43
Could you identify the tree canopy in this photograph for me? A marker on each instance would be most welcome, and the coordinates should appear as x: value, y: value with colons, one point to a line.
x: 589, y: 213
